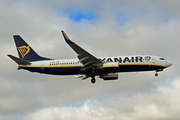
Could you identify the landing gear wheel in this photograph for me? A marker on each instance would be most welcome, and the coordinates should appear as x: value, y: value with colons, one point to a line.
x: 156, y: 74
x: 93, y: 80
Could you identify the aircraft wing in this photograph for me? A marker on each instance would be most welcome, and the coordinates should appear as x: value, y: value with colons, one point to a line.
x: 88, y: 60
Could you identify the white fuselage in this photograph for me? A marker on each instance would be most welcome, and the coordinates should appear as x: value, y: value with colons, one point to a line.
x: 73, y: 66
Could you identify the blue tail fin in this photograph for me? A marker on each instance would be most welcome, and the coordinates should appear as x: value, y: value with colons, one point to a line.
x: 25, y: 51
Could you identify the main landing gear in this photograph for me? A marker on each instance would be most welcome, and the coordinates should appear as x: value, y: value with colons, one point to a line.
x: 93, y: 80
x: 156, y: 74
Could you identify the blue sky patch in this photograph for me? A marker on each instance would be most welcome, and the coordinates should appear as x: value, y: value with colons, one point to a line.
x: 77, y: 16
x: 171, y: 80
x: 122, y: 19
x: 76, y: 106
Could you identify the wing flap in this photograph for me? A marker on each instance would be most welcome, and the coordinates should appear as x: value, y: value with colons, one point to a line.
x: 82, y: 59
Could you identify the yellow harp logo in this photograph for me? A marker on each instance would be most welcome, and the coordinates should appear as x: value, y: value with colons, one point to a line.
x: 23, y: 50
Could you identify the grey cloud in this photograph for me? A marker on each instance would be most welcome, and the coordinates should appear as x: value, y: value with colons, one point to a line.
x: 120, y: 106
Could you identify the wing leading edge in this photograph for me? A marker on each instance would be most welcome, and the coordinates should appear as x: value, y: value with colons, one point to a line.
x: 88, y: 60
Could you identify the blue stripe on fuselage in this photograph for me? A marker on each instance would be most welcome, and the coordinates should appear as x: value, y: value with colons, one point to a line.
x: 55, y: 70
x: 77, y: 70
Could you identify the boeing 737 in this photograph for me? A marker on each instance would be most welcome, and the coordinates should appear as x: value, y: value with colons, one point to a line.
x: 86, y: 65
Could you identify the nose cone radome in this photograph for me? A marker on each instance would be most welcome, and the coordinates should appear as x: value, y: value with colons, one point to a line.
x: 168, y: 64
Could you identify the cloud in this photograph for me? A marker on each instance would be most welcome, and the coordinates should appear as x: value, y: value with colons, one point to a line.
x: 160, y: 103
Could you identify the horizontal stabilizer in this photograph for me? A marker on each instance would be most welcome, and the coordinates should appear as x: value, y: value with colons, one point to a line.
x: 19, y: 61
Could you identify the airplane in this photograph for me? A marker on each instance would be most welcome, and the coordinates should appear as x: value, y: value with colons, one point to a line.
x: 86, y: 65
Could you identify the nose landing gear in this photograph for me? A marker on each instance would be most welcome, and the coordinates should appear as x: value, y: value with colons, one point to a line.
x: 158, y: 70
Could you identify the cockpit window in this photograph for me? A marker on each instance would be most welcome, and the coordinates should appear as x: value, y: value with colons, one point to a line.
x: 161, y: 58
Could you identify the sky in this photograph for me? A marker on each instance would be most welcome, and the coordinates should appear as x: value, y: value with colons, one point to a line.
x: 103, y: 28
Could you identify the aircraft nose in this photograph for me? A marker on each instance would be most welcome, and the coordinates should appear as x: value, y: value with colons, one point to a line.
x: 168, y: 63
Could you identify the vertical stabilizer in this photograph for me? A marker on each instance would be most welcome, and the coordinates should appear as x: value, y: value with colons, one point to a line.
x: 25, y: 51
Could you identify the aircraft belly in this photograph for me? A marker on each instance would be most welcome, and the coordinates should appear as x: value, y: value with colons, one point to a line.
x: 31, y: 69
x: 133, y: 68
x: 55, y: 70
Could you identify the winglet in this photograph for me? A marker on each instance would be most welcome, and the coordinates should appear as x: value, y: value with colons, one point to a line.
x: 66, y: 37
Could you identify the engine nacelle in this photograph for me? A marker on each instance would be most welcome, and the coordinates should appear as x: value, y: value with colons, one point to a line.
x: 83, y: 77
x: 109, y: 76
x: 111, y: 66
x: 79, y: 76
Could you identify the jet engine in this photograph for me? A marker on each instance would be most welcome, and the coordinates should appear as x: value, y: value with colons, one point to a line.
x: 109, y: 76
x: 111, y: 66
x: 83, y: 77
